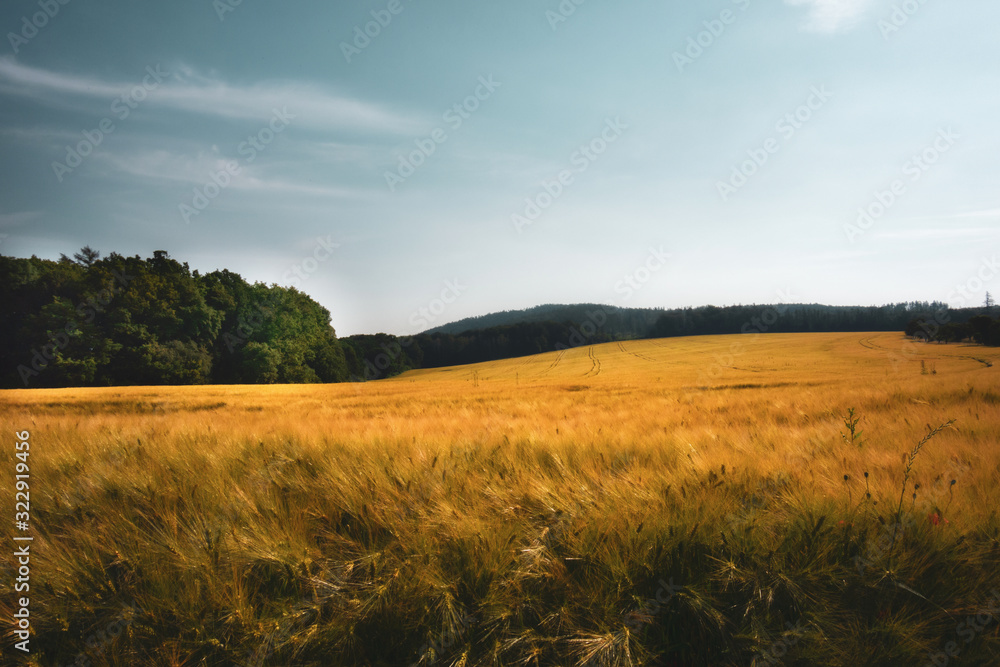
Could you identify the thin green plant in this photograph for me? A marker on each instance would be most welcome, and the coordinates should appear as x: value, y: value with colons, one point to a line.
x: 910, y: 459
x: 851, y: 421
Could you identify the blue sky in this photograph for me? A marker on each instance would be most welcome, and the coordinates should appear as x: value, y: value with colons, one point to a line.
x: 502, y: 155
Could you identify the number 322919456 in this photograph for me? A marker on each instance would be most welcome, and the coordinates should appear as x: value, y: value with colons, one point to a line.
x: 22, y: 477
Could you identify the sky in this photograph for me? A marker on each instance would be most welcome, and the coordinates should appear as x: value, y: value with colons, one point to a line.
x: 409, y: 163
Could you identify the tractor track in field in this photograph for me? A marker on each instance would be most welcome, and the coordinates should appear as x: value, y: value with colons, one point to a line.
x: 621, y: 346
x: 520, y: 366
x: 595, y: 368
x: 559, y: 357
x: 527, y: 360
x: 869, y: 343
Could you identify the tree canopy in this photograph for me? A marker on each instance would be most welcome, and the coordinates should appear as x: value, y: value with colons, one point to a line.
x: 89, y: 321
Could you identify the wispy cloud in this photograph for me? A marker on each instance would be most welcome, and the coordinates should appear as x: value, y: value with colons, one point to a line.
x: 833, y: 15
x: 987, y: 213
x: 8, y: 220
x: 939, y: 234
x: 187, y: 90
x: 195, y: 170
x: 983, y: 213
x: 837, y: 256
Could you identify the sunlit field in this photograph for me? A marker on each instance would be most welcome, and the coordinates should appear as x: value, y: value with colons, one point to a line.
x: 696, y: 501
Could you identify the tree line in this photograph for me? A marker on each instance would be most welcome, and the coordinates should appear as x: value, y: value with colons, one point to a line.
x: 382, y: 355
x: 372, y: 357
x: 92, y: 321
x: 981, y: 329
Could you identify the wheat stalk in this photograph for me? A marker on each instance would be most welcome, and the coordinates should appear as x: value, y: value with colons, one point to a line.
x: 906, y: 477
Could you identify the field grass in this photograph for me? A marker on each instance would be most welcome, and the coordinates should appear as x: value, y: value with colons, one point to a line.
x: 692, y: 501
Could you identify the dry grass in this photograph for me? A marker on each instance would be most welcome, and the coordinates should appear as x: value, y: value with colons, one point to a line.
x: 521, y: 512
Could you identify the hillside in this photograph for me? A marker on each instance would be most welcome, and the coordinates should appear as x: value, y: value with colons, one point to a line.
x: 626, y: 323
x: 621, y: 322
x: 507, y: 335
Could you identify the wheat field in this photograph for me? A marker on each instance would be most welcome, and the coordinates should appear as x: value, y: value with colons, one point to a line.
x: 693, y: 501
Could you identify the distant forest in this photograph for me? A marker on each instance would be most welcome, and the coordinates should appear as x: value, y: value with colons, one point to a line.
x: 91, y: 321
x: 382, y: 355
